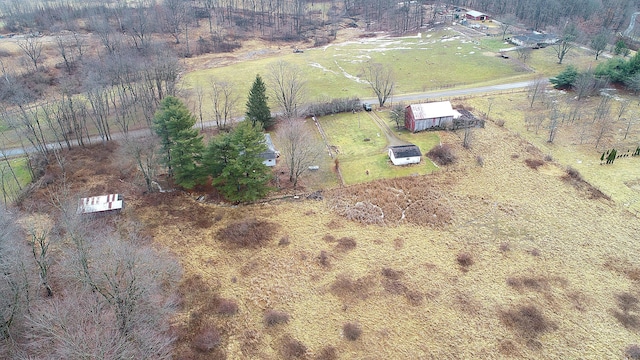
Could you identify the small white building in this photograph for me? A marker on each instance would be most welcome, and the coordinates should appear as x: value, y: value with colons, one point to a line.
x: 271, y: 154
x: 404, y: 154
x: 100, y: 204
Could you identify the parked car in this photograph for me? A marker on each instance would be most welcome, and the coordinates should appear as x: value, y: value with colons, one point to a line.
x: 366, y: 107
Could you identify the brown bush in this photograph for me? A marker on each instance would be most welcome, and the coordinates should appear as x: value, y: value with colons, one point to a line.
x: 526, y: 320
x: 351, y: 331
x: 346, y: 244
x: 389, y: 273
x: 251, y: 233
x: 329, y: 238
x: 464, y: 259
x: 323, y: 259
x: 347, y: 288
x: 534, y: 163
x: 284, y: 241
x: 207, y: 340
x: 227, y: 307
x: 327, y: 353
x: 442, y: 154
x: 275, y: 317
x: 632, y: 352
x: 505, y: 246
x: 293, y: 349
x: 573, y: 174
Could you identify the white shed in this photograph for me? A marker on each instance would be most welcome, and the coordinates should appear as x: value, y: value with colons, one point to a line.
x: 404, y: 154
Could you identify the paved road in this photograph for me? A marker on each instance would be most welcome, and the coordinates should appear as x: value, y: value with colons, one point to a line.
x: 13, y: 152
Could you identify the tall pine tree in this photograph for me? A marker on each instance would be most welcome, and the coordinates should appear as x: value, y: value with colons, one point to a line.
x: 181, y: 144
x: 235, y: 162
x: 258, y: 111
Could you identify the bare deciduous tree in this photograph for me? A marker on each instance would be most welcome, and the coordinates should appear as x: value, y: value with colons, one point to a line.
x: 381, y: 80
x: 145, y: 153
x: 223, y: 101
x: 537, y: 86
x: 32, y: 46
x: 299, y: 148
x: 287, y: 87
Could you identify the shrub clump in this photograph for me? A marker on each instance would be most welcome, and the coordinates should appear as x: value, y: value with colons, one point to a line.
x: 249, y: 233
x: 227, y: 307
x: 323, y: 259
x: 351, y: 331
x: 207, y: 340
x: 464, y: 259
x: 293, y: 349
x: 442, y: 154
x: 534, y: 163
x: 327, y: 353
x: 346, y: 243
x: 632, y: 352
x: 275, y: 317
x: 527, y: 320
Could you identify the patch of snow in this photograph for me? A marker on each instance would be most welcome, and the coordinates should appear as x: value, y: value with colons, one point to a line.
x: 471, y: 52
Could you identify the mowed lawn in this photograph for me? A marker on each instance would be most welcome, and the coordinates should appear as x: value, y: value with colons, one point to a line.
x: 362, y: 149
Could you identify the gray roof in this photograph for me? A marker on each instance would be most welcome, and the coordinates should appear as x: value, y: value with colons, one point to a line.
x: 405, y: 151
x: 271, y: 152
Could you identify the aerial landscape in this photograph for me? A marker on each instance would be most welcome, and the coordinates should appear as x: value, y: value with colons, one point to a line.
x: 214, y: 179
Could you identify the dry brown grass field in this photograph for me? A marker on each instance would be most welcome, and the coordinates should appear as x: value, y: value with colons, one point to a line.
x: 494, y: 261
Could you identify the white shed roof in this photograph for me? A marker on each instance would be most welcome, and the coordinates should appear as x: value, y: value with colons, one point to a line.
x: 100, y: 203
x: 433, y: 110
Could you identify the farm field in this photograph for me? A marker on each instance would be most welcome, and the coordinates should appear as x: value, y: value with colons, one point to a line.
x: 515, y: 265
x: 429, y: 61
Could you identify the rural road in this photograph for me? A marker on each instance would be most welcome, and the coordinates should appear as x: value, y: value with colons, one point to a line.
x: 14, y: 152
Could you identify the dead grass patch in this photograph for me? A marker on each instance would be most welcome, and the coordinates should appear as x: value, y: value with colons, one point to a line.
x: 248, y: 233
x: 208, y: 339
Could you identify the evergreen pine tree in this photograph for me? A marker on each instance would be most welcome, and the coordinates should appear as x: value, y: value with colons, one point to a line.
x: 236, y: 163
x: 258, y: 111
x: 181, y: 143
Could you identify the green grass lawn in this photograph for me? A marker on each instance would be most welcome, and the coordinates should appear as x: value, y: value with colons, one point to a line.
x: 19, y: 166
x: 347, y: 132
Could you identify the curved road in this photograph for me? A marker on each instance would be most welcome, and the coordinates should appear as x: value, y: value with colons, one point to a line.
x: 13, y: 152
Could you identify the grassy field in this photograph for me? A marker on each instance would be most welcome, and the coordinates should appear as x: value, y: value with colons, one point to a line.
x: 521, y: 270
x: 19, y: 166
x: 620, y: 180
x: 432, y: 60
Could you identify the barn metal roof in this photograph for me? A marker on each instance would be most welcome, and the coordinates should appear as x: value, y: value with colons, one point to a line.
x: 475, y: 13
x: 433, y: 110
x: 100, y: 203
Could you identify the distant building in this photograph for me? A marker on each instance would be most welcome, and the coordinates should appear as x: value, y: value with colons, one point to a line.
x: 435, y: 115
x: 404, y: 154
x: 534, y: 40
x: 271, y: 154
x: 476, y: 15
x: 101, y: 204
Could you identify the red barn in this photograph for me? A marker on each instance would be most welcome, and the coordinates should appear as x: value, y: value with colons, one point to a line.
x: 438, y: 115
x: 476, y: 15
